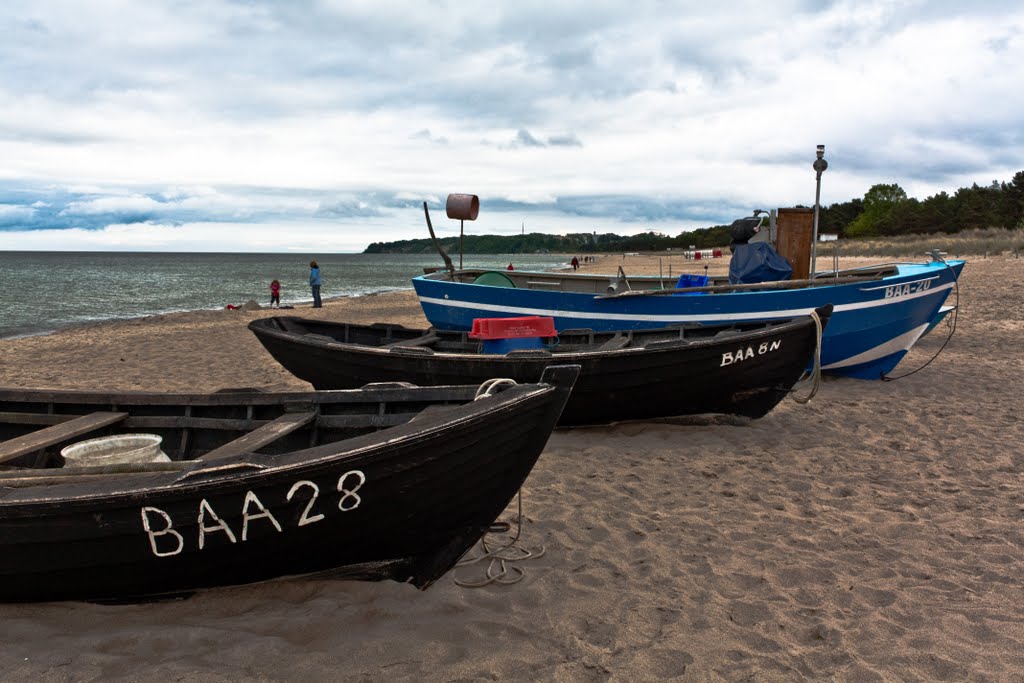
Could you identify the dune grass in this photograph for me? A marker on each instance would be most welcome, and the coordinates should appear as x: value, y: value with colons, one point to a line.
x: 986, y: 242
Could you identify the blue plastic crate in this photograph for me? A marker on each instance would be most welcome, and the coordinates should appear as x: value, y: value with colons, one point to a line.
x: 501, y: 346
x: 687, y: 280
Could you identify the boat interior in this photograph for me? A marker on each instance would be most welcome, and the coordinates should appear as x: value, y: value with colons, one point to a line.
x: 35, y: 425
x: 406, y: 340
x: 622, y: 283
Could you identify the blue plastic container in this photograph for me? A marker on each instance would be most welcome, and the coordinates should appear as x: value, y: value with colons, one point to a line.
x: 687, y: 280
x: 500, y: 346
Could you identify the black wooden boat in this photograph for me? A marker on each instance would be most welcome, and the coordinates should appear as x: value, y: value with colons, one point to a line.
x: 386, y: 482
x: 741, y: 369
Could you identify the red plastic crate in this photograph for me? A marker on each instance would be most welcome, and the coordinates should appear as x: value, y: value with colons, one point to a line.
x: 513, y: 328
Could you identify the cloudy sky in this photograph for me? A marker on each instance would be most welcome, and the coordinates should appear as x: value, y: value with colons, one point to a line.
x: 323, y: 125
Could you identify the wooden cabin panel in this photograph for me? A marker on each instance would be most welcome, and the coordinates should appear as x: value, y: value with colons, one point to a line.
x: 795, y: 235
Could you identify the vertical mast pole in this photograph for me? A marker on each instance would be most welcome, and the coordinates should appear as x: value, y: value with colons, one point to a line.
x: 819, y: 167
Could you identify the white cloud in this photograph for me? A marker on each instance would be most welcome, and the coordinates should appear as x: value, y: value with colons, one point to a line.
x: 12, y: 212
x: 276, y: 113
x: 112, y: 205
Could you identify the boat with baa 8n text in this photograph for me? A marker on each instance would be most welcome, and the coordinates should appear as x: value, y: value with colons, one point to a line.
x: 742, y: 369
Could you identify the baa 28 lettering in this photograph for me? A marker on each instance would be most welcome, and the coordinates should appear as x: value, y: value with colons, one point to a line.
x: 165, y: 540
x: 742, y: 354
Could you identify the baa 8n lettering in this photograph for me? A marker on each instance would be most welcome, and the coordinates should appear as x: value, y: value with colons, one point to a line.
x: 742, y: 354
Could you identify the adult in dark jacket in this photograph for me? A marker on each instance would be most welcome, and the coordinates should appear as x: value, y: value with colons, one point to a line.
x: 314, y: 283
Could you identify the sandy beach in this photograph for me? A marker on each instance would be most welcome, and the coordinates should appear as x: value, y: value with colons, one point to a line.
x: 874, y: 534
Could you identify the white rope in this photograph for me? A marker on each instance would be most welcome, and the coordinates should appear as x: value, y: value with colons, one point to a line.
x: 499, y: 570
x: 488, y: 387
x: 815, y: 377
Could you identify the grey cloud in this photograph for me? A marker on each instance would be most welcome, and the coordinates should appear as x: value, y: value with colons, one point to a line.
x: 223, y: 57
x: 568, y: 140
x: 39, y: 208
x: 632, y: 208
x: 56, y: 134
x: 525, y: 139
x: 347, y: 208
x: 1000, y: 44
x: 425, y: 134
x: 574, y: 59
x: 625, y: 208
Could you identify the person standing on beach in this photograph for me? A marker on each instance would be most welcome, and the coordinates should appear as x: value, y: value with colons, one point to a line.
x: 275, y: 294
x: 575, y: 263
x: 314, y: 283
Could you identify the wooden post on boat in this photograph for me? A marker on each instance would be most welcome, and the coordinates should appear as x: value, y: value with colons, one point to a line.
x: 465, y: 207
x: 437, y: 245
x: 795, y: 238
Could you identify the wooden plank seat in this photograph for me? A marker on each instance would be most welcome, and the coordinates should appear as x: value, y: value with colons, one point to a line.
x: 617, y: 342
x: 429, y: 338
x: 256, y: 439
x: 54, y: 434
x: 19, y: 477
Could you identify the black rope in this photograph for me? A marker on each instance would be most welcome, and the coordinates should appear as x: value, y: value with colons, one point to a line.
x: 500, y: 568
x: 952, y: 327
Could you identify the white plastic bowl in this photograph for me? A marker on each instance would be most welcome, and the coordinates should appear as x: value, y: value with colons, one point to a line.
x: 114, y: 450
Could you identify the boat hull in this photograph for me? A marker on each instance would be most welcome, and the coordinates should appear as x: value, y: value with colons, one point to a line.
x: 736, y: 371
x: 403, y: 503
x: 874, y: 322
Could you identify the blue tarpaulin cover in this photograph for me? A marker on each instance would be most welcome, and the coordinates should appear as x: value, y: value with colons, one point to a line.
x: 757, y: 262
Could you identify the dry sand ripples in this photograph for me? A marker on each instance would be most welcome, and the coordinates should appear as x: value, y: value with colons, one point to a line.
x: 874, y: 534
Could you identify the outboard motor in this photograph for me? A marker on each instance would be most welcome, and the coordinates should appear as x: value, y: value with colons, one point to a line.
x: 744, y: 230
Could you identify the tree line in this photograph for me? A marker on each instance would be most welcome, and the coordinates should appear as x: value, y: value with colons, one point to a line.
x: 573, y: 243
x: 885, y: 210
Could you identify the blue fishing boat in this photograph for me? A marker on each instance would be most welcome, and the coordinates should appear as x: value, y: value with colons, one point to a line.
x: 879, y: 312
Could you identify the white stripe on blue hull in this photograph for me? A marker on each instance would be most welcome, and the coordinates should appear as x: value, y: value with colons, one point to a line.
x: 676, y: 318
x: 901, y: 343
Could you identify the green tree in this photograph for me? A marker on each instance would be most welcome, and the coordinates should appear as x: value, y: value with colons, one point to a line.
x: 1011, y: 208
x: 704, y: 238
x: 879, y: 202
x: 938, y: 214
x: 976, y: 206
x: 834, y: 219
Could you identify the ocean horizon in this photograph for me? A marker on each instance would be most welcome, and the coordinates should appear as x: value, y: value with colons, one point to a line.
x: 45, y: 291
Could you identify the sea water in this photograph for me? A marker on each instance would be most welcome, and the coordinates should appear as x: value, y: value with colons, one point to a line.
x: 41, y: 292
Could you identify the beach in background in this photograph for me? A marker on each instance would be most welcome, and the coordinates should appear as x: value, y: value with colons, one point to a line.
x: 873, y: 534
x: 48, y: 291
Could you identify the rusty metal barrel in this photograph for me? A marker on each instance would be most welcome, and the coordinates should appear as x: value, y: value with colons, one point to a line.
x: 462, y: 206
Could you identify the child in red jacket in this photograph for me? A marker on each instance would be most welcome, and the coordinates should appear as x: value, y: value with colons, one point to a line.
x: 275, y: 294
